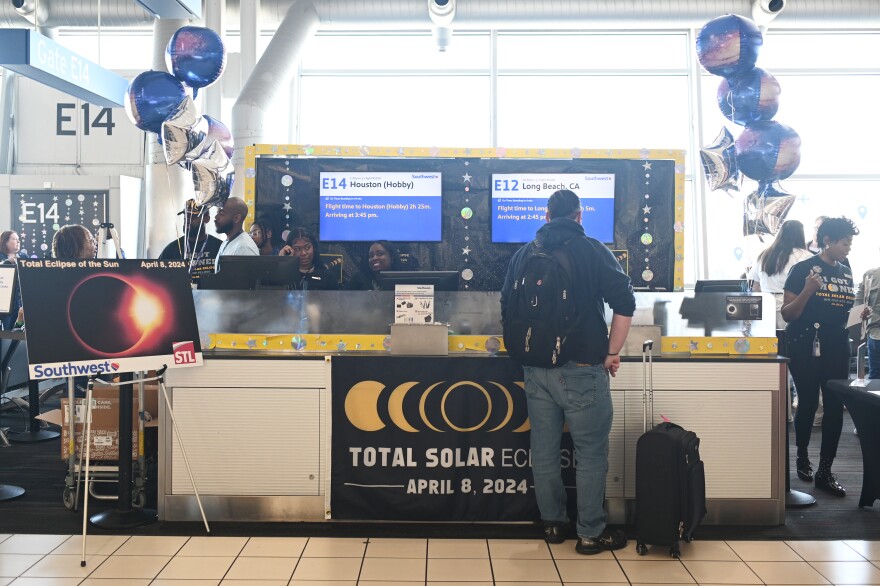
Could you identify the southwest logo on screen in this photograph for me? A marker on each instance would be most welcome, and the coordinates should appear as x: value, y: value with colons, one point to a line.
x: 184, y: 352
x: 71, y: 369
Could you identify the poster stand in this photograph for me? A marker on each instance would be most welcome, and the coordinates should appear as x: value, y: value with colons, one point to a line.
x: 124, y: 515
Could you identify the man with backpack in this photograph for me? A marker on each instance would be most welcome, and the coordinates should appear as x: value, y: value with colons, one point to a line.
x: 552, y: 308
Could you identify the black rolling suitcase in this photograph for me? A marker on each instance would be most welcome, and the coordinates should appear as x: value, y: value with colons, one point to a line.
x: 670, y: 479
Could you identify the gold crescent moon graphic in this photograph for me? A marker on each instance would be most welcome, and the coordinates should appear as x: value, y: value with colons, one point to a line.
x: 361, y: 405
x: 488, y: 406
x: 422, y: 400
x: 395, y: 406
x: 509, y: 406
x: 527, y: 425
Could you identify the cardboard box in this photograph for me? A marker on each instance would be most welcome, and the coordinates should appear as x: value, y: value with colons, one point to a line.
x: 105, y: 421
x: 104, y: 437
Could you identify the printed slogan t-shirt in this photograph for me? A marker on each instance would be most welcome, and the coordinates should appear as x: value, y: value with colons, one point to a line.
x: 829, y: 305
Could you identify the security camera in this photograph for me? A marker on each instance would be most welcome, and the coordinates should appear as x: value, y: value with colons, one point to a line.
x: 764, y: 11
x: 442, y: 12
x: 24, y: 5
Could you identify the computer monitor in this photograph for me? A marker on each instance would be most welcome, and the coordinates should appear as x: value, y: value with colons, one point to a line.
x: 721, y: 286
x: 442, y: 280
x: 253, y: 272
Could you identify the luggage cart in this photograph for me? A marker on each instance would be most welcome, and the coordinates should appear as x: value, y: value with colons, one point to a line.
x: 75, y: 477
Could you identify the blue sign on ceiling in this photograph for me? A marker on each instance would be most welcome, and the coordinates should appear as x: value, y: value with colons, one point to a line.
x: 29, y: 53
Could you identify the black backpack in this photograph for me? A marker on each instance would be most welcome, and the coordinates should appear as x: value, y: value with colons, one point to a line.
x: 541, y: 314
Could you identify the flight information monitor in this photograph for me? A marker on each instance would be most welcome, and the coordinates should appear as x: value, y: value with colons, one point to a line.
x: 519, y: 203
x: 401, y: 207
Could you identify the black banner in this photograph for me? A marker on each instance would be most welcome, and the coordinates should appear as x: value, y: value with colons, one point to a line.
x: 432, y: 439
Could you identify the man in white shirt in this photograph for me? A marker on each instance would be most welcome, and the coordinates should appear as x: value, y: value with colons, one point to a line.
x: 229, y: 221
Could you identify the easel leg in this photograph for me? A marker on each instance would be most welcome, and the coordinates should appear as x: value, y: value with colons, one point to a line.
x: 183, y: 451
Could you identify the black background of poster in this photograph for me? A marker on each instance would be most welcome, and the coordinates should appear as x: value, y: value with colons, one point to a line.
x: 465, y: 406
x: 36, y: 236
x: 467, y: 243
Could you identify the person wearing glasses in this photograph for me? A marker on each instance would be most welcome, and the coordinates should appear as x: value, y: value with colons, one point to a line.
x: 264, y: 237
x: 313, y: 275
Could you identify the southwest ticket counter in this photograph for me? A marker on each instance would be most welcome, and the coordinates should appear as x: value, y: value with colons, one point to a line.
x: 305, y: 426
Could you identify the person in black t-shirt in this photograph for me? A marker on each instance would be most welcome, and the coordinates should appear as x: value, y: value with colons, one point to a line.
x: 195, y: 244
x: 819, y: 294
x: 313, y: 275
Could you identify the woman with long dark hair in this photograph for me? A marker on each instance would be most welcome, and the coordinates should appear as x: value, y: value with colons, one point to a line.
x: 313, y: 275
x: 382, y: 256
x: 770, y: 271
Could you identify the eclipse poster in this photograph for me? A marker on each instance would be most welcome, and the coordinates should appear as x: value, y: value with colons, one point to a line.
x: 98, y: 316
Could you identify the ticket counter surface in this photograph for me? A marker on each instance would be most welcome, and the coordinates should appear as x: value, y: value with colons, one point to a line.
x: 378, y: 437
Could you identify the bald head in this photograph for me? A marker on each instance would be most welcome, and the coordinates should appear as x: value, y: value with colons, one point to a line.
x: 230, y: 216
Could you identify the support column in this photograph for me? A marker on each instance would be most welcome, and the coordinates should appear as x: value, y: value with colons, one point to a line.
x: 167, y: 188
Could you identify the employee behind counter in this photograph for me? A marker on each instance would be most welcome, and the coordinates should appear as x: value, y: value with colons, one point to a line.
x: 311, y: 273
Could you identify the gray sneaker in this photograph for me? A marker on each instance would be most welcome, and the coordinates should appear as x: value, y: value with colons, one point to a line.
x: 608, y: 541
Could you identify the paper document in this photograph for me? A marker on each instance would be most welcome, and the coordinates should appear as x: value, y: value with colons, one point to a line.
x: 855, y: 315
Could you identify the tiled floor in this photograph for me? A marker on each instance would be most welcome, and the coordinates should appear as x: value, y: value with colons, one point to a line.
x: 49, y: 560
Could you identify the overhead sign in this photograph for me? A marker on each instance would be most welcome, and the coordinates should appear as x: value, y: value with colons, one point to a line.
x: 185, y: 9
x: 29, y: 53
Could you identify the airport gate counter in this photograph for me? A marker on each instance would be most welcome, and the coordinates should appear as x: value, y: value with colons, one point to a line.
x: 282, y: 426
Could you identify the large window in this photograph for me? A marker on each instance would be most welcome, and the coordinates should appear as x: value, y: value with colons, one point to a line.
x: 829, y: 86
x: 588, y: 89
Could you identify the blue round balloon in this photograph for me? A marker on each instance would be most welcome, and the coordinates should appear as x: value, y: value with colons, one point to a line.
x: 196, y: 56
x: 749, y: 97
x: 767, y: 151
x: 729, y: 45
x: 151, y: 97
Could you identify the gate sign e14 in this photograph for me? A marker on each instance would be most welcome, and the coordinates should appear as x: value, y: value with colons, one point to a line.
x: 29, y: 53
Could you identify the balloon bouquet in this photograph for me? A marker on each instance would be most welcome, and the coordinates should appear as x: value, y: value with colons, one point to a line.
x: 765, y: 151
x: 159, y: 102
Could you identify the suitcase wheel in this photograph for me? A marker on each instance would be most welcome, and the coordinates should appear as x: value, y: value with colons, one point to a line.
x: 674, y: 551
x: 641, y: 548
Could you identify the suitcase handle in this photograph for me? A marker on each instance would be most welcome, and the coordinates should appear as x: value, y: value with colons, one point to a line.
x: 647, y: 382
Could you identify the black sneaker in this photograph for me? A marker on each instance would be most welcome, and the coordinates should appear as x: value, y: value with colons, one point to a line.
x: 805, y: 469
x: 554, y: 534
x: 608, y: 541
x: 828, y: 483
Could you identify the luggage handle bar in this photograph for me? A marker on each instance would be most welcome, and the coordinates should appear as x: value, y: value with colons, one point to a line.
x: 647, y: 382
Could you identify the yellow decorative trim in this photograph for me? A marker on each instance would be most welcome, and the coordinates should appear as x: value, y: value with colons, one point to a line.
x: 678, y: 156
x: 728, y: 346
x: 323, y: 343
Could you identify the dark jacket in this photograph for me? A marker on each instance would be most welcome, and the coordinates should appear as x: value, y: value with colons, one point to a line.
x: 321, y: 279
x: 597, y: 278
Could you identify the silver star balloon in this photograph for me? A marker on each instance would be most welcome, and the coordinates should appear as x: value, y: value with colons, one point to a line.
x: 184, y: 133
x: 212, y: 175
x: 719, y: 163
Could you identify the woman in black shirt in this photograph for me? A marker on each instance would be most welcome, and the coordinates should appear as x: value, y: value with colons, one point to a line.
x: 819, y: 294
x: 382, y: 256
x: 313, y: 275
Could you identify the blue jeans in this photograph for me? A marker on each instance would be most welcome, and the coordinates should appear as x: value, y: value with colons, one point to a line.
x: 873, y: 358
x: 581, y: 397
